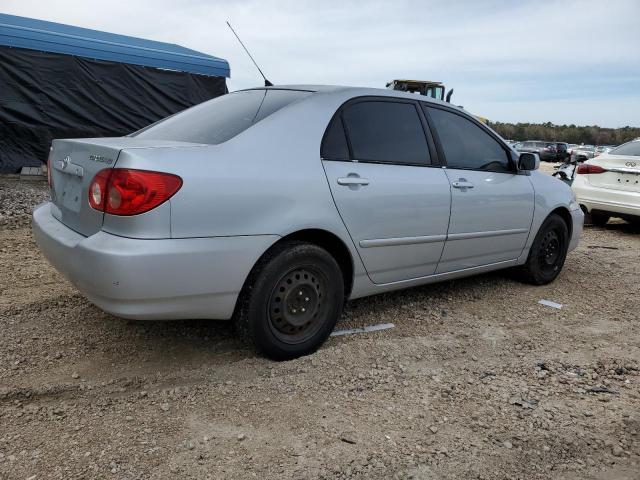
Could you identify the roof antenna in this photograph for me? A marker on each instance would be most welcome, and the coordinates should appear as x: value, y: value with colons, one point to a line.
x: 267, y: 83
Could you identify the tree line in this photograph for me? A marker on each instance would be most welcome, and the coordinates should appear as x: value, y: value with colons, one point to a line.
x: 590, y: 135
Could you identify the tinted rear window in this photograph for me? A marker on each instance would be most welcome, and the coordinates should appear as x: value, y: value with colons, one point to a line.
x: 631, y: 148
x: 222, y: 118
x: 334, y: 145
x: 386, y: 132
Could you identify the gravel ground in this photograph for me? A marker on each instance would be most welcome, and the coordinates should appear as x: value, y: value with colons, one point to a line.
x: 17, y: 199
x: 476, y: 381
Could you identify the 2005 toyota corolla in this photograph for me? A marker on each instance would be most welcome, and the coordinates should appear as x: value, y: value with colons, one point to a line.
x: 273, y: 206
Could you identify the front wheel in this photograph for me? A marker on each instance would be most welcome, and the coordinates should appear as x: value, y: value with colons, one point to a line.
x: 291, y: 301
x: 548, y: 252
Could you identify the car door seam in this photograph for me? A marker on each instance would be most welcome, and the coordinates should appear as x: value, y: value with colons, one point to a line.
x: 335, y: 204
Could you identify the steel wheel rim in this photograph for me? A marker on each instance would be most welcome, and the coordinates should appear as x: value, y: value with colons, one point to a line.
x: 297, y: 305
x: 550, y: 251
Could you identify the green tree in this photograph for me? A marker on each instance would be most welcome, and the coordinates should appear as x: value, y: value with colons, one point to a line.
x: 590, y: 134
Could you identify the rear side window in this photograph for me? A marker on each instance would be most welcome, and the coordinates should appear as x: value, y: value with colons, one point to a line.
x: 334, y: 144
x: 466, y: 145
x: 222, y: 118
x: 631, y: 148
x: 386, y: 132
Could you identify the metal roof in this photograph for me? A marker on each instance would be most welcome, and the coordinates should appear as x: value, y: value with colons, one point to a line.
x: 66, y: 39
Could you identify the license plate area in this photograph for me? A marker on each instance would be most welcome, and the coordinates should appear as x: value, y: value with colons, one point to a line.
x: 627, y: 181
x: 71, y: 196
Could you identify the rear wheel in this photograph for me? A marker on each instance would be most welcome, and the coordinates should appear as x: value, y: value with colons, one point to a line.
x: 548, y: 252
x: 598, y: 218
x: 291, y: 301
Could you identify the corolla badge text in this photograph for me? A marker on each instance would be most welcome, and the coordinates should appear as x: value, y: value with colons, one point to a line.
x: 101, y: 159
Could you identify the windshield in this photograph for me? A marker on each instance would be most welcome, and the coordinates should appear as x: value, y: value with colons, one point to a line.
x: 222, y: 118
x: 631, y: 148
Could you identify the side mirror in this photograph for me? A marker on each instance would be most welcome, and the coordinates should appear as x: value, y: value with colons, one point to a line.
x: 528, y: 161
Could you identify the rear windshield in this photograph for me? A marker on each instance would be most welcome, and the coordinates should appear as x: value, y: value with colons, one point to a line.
x: 222, y: 118
x: 631, y: 148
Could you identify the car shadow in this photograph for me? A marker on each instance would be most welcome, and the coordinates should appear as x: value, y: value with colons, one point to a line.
x: 437, y: 296
x: 181, y: 343
x: 623, y: 227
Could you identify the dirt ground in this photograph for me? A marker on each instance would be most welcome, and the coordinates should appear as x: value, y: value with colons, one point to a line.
x: 476, y: 381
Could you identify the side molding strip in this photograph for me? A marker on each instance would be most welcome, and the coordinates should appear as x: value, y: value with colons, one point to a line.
x: 492, y: 233
x: 392, y: 242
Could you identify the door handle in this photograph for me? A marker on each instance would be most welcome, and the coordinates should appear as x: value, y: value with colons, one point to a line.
x: 351, y: 181
x: 462, y: 184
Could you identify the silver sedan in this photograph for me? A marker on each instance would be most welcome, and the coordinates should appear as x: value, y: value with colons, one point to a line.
x: 274, y: 206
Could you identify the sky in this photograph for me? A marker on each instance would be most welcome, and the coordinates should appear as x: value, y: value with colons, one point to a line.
x: 566, y: 62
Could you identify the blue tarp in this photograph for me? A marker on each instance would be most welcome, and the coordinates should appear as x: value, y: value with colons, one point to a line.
x: 66, y: 39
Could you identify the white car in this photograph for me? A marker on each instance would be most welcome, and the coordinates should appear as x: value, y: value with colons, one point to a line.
x: 609, y: 185
x: 583, y: 152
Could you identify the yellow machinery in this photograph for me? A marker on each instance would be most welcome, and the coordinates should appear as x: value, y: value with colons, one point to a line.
x: 423, y: 87
x: 428, y: 89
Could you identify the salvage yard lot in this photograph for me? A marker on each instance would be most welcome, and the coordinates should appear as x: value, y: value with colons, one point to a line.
x: 477, y: 380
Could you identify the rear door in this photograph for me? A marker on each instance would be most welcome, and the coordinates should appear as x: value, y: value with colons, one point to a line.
x: 491, y: 205
x: 392, y: 197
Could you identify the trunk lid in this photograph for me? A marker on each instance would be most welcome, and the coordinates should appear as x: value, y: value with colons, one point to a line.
x: 623, y: 173
x: 73, y: 164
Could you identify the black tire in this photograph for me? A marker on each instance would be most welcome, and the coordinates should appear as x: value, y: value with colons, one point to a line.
x: 291, y: 301
x: 548, y: 252
x: 599, y: 219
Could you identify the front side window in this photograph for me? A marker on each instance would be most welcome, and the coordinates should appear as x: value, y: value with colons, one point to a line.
x: 222, y: 118
x: 466, y: 145
x: 388, y: 132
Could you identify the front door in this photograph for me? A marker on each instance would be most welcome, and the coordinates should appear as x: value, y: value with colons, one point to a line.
x: 393, y: 201
x: 491, y: 204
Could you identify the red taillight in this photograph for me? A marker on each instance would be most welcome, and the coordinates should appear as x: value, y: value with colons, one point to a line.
x: 98, y: 189
x: 123, y: 191
x: 586, y: 168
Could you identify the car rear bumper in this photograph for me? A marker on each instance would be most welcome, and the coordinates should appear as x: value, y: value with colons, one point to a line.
x: 622, y: 202
x: 151, y: 279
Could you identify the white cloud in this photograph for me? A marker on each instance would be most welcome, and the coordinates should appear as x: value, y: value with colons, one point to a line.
x: 574, y: 61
